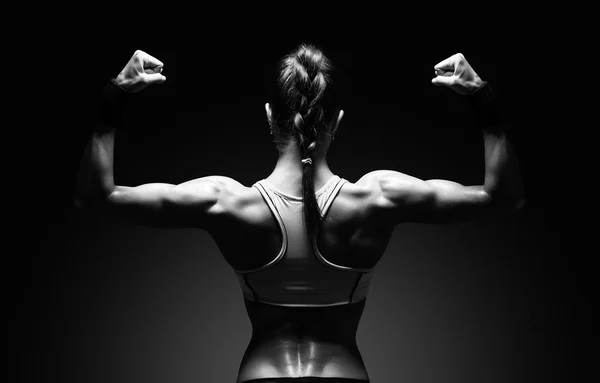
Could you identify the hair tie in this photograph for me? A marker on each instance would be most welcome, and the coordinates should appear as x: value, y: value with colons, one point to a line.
x: 307, y: 160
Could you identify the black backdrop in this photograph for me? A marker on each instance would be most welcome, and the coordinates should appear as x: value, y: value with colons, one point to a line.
x: 96, y: 300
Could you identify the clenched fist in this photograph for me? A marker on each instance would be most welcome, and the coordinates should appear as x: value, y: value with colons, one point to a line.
x: 141, y: 71
x: 456, y: 73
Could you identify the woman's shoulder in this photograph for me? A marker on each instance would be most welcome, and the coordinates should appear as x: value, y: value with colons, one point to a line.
x: 366, y: 186
x: 369, y: 191
x: 239, y: 197
x: 229, y: 190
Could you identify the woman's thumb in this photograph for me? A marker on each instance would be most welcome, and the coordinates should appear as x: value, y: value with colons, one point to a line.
x: 442, y: 81
x: 155, y: 78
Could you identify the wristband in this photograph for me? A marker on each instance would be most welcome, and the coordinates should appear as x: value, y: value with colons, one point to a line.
x: 485, y: 105
x: 112, y: 104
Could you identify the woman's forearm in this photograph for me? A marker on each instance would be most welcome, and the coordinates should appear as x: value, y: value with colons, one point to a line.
x: 95, y: 178
x: 502, y: 175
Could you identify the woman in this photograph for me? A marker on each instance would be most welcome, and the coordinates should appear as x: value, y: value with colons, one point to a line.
x: 303, y: 241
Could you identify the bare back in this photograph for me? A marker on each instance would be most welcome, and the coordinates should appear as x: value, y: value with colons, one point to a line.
x: 300, y: 341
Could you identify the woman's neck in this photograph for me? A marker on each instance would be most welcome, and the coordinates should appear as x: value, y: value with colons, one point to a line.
x: 287, y: 174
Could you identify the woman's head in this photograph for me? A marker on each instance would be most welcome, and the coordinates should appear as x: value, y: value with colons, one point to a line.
x: 305, y: 113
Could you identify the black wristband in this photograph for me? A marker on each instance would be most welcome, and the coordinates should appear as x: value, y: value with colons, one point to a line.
x: 112, y: 104
x: 485, y: 105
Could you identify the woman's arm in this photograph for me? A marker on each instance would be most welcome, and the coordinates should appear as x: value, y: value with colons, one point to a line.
x: 409, y: 199
x: 189, y: 204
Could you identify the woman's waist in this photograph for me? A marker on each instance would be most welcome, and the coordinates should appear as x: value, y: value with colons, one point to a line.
x: 335, y: 325
x: 293, y: 356
x: 308, y: 341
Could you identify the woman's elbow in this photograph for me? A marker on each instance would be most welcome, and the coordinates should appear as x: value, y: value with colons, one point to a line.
x: 89, y: 204
x: 508, y: 203
x: 516, y: 199
x: 519, y: 203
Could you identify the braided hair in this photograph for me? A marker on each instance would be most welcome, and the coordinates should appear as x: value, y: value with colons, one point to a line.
x: 306, y: 106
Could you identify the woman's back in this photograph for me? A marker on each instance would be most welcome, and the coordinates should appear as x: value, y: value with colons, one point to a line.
x: 250, y: 224
x: 299, y: 341
x: 355, y: 231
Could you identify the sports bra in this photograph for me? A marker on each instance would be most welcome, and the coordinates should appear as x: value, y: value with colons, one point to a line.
x: 300, y: 276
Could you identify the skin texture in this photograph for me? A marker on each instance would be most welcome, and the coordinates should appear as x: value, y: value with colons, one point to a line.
x: 291, y: 342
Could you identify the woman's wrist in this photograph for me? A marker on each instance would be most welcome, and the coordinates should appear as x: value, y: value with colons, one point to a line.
x: 482, y: 96
x: 113, y: 100
x: 122, y: 83
x: 484, y: 103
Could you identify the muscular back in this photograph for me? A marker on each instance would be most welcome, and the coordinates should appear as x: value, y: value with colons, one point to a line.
x: 355, y: 231
x: 299, y: 341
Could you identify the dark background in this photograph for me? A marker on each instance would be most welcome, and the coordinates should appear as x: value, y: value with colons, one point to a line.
x: 495, y: 300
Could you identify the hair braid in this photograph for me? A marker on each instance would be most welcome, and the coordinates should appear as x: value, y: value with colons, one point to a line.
x: 304, y: 80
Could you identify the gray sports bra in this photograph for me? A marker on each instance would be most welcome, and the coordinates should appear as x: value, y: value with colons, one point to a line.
x: 300, y: 275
